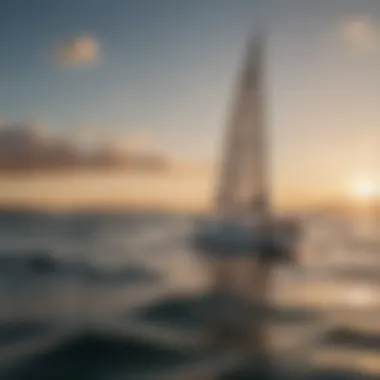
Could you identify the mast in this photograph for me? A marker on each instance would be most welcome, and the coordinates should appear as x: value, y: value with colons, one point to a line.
x: 243, y: 187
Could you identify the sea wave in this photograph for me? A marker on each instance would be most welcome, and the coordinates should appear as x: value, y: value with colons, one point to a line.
x: 32, y: 263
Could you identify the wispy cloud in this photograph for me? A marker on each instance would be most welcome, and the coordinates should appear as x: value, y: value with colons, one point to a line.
x: 28, y: 146
x: 140, y: 142
x: 360, y: 33
x: 78, y: 51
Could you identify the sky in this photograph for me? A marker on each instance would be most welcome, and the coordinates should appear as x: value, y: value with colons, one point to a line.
x: 167, y: 69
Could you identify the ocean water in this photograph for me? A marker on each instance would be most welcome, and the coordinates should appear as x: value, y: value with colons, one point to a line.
x: 117, y: 296
x: 61, y: 274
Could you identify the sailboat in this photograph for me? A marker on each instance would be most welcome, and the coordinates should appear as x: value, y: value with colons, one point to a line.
x: 243, y: 221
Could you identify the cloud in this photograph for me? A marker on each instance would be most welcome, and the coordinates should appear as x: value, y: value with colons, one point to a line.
x: 78, y: 51
x: 360, y: 33
x: 30, y: 147
x: 134, y: 143
x: 141, y: 141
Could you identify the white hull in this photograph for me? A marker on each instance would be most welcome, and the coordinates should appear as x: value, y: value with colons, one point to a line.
x: 228, y: 238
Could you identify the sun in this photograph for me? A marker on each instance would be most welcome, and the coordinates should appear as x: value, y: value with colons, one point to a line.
x: 364, y: 189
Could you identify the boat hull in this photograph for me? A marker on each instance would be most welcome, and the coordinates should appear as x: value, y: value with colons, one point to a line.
x: 218, y: 238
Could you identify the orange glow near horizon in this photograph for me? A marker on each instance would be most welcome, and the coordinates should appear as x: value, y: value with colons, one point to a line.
x: 364, y: 189
x: 186, y: 187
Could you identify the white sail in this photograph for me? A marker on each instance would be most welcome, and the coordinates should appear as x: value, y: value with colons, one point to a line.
x: 244, y: 222
x: 243, y: 188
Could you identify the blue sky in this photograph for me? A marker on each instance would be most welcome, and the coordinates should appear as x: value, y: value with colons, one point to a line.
x: 168, y: 67
x: 162, y: 62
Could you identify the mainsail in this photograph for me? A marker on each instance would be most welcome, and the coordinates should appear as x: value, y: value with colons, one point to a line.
x: 244, y: 223
x: 243, y: 188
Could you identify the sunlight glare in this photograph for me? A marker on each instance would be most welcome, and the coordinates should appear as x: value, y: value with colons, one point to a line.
x: 360, y: 297
x: 364, y: 189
